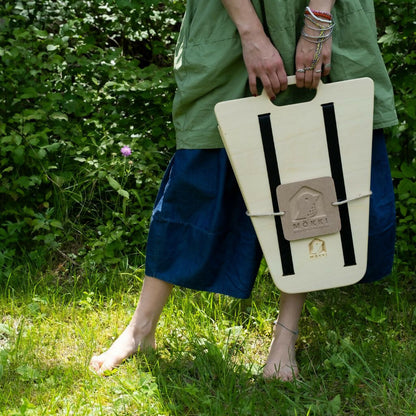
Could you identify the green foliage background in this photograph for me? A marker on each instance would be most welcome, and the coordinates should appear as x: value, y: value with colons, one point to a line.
x: 397, y: 28
x: 80, y: 79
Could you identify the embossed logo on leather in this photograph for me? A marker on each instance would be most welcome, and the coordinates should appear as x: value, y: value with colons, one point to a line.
x: 308, y: 209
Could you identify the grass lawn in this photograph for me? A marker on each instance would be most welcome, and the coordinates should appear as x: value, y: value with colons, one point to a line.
x: 356, y: 350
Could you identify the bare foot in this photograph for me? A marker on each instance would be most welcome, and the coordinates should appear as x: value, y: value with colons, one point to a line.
x: 281, y: 363
x: 123, y: 347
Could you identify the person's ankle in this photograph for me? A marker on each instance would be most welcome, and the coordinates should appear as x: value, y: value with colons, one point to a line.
x: 283, y: 327
x: 143, y: 334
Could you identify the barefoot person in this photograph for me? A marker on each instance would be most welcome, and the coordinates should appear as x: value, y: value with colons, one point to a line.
x: 200, y: 236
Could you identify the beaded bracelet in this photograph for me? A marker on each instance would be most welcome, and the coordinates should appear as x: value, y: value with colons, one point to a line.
x: 325, y: 15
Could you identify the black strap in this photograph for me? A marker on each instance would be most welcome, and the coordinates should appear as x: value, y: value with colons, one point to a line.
x: 338, y: 176
x: 274, y: 182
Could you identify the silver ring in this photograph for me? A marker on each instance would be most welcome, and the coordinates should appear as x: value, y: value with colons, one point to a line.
x: 309, y: 68
x: 301, y: 70
x: 318, y: 71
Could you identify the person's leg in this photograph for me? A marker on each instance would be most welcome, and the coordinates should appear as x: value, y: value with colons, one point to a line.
x: 140, y: 332
x: 281, y: 363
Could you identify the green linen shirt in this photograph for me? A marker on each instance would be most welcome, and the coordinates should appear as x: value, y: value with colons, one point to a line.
x: 209, y: 66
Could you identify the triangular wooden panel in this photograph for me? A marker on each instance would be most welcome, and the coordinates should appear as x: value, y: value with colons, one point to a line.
x: 329, y: 136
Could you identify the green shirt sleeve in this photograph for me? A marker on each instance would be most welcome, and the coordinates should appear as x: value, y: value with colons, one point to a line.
x: 209, y: 66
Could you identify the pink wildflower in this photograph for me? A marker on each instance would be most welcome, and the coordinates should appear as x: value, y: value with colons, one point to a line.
x: 125, y: 151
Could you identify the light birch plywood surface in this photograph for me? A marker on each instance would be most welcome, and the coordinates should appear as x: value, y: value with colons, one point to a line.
x: 302, y: 154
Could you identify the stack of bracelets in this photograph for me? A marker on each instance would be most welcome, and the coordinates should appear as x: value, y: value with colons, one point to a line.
x: 320, y: 23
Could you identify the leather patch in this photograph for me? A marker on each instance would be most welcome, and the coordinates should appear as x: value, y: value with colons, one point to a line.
x: 308, y: 208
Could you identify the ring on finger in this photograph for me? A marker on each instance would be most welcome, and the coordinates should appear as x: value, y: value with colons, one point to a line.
x: 301, y: 70
x: 328, y: 65
x: 318, y: 71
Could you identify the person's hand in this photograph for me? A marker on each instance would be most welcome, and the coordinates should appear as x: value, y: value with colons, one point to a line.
x: 263, y: 61
x: 305, y: 52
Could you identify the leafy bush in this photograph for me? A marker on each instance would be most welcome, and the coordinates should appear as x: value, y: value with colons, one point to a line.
x: 81, y: 79
x: 397, y: 28
x: 78, y: 80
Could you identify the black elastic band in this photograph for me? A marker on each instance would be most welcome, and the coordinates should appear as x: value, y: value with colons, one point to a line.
x: 338, y: 176
x: 274, y: 182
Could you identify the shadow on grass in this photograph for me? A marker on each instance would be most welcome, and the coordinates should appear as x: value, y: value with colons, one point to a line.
x: 208, y: 381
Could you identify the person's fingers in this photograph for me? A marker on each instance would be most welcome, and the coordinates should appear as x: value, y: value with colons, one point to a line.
x: 273, y: 79
x: 274, y: 82
x: 316, y: 77
x: 300, y: 69
x: 326, y: 68
x: 302, y: 61
x: 300, y: 77
x: 312, y: 62
x: 268, y: 87
x: 309, y: 77
x: 263, y: 62
x: 274, y: 76
x: 278, y: 81
x: 283, y: 80
x: 325, y: 64
x: 252, y: 82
